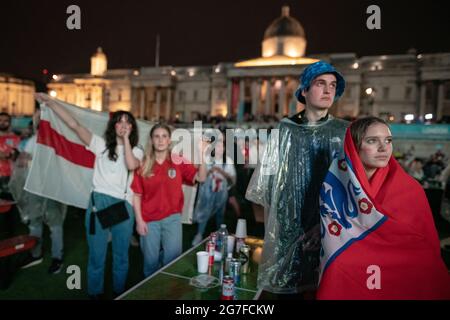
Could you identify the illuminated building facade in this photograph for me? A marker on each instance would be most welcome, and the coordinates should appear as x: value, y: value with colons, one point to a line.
x: 390, y: 86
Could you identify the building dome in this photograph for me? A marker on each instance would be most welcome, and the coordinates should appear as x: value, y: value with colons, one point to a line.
x: 284, y: 26
x: 284, y: 37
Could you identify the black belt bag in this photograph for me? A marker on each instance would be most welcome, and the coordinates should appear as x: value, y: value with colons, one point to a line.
x: 109, y: 216
x: 112, y: 215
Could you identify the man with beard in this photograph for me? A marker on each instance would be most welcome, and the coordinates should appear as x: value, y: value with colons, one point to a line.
x: 8, y: 150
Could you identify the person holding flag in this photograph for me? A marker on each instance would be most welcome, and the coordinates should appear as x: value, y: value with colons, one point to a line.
x: 379, y: 240
x: 117, y: 155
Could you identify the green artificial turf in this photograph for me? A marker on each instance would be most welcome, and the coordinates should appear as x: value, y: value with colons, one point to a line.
x: 36, y: 283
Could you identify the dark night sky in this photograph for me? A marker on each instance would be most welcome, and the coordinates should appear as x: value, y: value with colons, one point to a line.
x: 34, y: 36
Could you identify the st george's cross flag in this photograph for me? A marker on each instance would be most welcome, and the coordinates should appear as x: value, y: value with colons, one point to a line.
x: 62, y: 167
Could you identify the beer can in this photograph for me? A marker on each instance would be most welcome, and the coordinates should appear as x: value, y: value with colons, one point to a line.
x: 227, y: 263
x: 235, y: 271
x: 210, y: 248
x: 227, y: 288
x: 244, y: 257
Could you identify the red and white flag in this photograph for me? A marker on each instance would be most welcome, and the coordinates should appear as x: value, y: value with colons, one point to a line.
x: 62, y: 167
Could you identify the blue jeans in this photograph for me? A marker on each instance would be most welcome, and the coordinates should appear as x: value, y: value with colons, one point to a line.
x: 98, y: 244
x: 56, y: 235
x: 209, y: 204
x: 162, y: 244
x: 41, y: 210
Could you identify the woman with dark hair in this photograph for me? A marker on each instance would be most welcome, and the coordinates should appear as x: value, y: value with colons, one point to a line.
x: 379, y: 240
x: 158, y: 198
x: 116, y: 156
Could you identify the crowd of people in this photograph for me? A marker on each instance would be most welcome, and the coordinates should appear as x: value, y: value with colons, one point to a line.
x: 431, y: 171
x: 334, y: 197
x: 124, y: 172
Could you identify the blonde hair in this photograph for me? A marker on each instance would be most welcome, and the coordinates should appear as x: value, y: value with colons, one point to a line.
x: 149, y: 157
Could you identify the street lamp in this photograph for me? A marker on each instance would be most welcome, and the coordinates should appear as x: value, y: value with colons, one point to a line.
x: 370, y: 92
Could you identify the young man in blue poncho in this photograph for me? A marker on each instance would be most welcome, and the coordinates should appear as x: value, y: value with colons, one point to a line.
x: 288, y: 180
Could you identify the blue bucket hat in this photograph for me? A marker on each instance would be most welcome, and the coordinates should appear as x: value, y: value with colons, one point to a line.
x: 313, y: 71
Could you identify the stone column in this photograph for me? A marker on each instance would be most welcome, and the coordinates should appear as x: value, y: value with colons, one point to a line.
x: 293, y: 105
x: 241, y: 91
x: 268, y: 102
x: 281, y: 99
x: 158, y: 103
x: 105, y: 103
x: 240, y: 114
x: 357, y: 100
x: 440, y: 100
x: 423, y: 100
x: 169, y: 104
x: 229, y: 92
x: 142, y: 103
x: 256, y: 92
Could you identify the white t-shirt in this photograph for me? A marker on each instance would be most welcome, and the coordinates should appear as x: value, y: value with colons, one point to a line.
x: 228, y: 167
x: 30, y: 146
x: 110, y: 176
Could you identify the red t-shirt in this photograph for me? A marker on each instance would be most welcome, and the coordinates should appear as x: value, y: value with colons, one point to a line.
x: 7, y: 144
x: 161, y: 192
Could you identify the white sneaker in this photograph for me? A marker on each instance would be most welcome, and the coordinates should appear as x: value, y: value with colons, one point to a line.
x: 31, y: 261
x: 197, y: 239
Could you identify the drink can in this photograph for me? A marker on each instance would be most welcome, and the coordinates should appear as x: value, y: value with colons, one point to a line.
x: 210, y: 248
x: 244, y: 257
x: 227, y: 288
x: 227, y: 264
x: 235, y: 271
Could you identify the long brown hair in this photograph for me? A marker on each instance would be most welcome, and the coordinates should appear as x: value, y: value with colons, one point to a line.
x: 111, y: 136
x: 149, y: 158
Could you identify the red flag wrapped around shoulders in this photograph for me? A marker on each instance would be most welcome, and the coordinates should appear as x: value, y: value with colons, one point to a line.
x: 400, y: 259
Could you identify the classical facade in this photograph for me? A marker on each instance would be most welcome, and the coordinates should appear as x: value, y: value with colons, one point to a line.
x: 397, y: 85
x: 390, y: 86
x: 16, y: 95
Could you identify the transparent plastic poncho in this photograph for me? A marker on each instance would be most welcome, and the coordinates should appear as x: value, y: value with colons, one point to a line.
x: 32, y: 206
x: 286, y: 183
